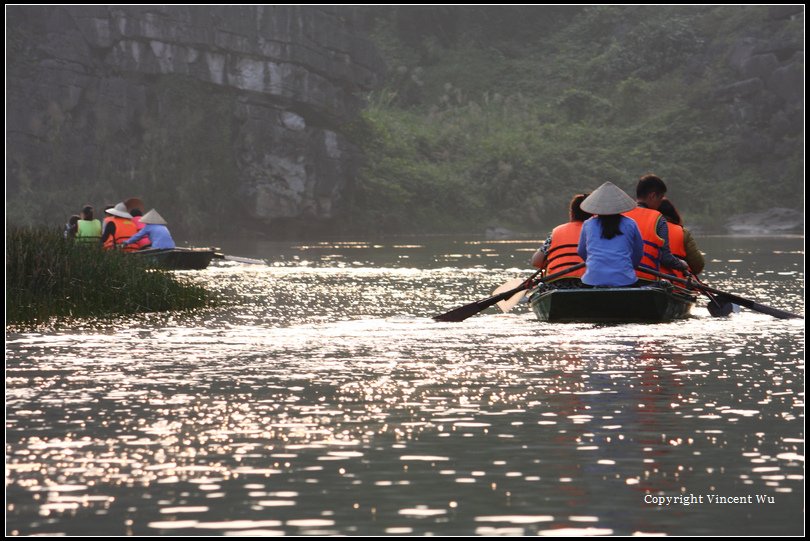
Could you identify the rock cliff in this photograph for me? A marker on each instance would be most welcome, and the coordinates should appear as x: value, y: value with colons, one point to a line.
x: 220, y: 117
x: 765, y: 101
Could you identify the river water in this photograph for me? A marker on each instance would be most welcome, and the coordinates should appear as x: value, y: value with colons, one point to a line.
x: 321, y: 399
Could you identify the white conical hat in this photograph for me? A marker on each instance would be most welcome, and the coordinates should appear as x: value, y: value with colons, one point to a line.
x: 608, y: 199
x: 119, y: 210
x: 152, y: 217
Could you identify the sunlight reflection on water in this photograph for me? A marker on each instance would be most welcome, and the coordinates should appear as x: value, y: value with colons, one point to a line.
x: 326, y: 401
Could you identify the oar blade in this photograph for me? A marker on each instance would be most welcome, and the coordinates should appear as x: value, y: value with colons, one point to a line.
x: 512, y: 301
x: 721, y: 309
x: 508, y: 304
x: 247, y: 260
x: 469, y: 310
x: 237, y: 259
x: 460, y: 314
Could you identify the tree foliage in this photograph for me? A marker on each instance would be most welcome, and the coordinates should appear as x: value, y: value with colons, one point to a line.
x: 485, y: 122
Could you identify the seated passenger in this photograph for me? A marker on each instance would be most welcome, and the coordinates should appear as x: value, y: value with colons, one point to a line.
x: 155, y: 230
x: 610, y: 243
x: 560, y: 248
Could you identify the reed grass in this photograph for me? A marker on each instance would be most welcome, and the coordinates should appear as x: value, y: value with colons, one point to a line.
x: 49, y: 276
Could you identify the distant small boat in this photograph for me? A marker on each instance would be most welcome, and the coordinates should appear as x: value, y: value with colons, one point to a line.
x: 178, y: 258
x: 655, y: 303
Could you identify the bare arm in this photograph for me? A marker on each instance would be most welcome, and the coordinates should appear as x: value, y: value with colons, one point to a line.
x: 539, y: 257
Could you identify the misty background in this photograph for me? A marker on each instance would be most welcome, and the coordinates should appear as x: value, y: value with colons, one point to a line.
x: 291, y: 121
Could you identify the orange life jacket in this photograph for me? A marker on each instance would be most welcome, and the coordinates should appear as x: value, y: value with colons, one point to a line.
x: 647, y: 220
x: 677, y: 246
x: 124, y: 228
x: 563, y: 252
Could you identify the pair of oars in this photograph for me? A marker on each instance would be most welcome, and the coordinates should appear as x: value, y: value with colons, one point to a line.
x: 511, y: 296
x: 723, y: 297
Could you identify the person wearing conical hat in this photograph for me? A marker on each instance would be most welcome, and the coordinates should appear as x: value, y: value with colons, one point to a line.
x: 137, y: 215
x: 610, y: 244
x: 155, y: 230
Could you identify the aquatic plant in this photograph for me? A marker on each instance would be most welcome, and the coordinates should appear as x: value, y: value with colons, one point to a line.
x: 48, y: 276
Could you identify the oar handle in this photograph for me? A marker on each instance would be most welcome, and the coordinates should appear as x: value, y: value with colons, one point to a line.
x: 559, y: 274
x: 529, y: 283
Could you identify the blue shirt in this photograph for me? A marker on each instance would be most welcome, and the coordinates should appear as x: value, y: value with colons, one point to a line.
x: 158, y: 235
x: 610, y: 262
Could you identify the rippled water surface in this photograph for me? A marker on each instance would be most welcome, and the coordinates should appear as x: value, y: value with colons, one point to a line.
x: 322, y: 399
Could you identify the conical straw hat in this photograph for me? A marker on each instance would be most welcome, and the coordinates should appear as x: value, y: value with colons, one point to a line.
x: 119, y: 210
x: 608, y: 199
x: 152, y: 217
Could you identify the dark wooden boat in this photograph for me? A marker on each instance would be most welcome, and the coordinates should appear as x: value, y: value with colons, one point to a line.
x: 654, y: 303
x: 178, y: 258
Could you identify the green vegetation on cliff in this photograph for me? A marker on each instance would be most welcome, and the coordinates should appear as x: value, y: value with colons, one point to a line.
x: 497, y: 115
x: 48, y: 276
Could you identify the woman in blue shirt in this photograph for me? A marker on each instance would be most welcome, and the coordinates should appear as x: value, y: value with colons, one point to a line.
x: 610, y: 243
x: 156, y: 230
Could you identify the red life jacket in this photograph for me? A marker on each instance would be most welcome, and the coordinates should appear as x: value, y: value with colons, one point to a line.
x: 677, y: 246
x: 647, y: 220
x: 144, y: 242
x: 563, y: 251
x: 124, y: 228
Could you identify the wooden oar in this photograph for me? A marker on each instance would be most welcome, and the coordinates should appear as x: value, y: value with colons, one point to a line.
x: 469, y: 310
x: 717, y: 307
x: 247, y: 260
x: 723, y: 296
x: 512, y: 301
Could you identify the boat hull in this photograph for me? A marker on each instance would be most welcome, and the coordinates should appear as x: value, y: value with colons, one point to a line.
x: 648, y: 304
x: 178, y: 258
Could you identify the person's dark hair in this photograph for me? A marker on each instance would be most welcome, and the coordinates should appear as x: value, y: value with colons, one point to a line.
x: 73, y: 220
x: 135, y: 212
x: 670, y: 212
x: 576, y: 213
x: 87, y: 212
x: 610, y: 225
x: 648, y: 184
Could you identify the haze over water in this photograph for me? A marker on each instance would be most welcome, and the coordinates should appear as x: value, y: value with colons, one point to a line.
x: 322, y: 399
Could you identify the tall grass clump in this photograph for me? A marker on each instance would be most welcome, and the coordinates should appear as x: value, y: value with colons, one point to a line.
x: 48, y: 276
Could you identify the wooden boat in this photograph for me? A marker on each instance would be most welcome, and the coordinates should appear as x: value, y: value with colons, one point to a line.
x: 653, y: 303
x: 178, y: 258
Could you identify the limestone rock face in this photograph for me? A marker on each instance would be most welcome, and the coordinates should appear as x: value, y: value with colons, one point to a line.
x: 214, y: 114
x: 772, y: 221
x: 766, y: 100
